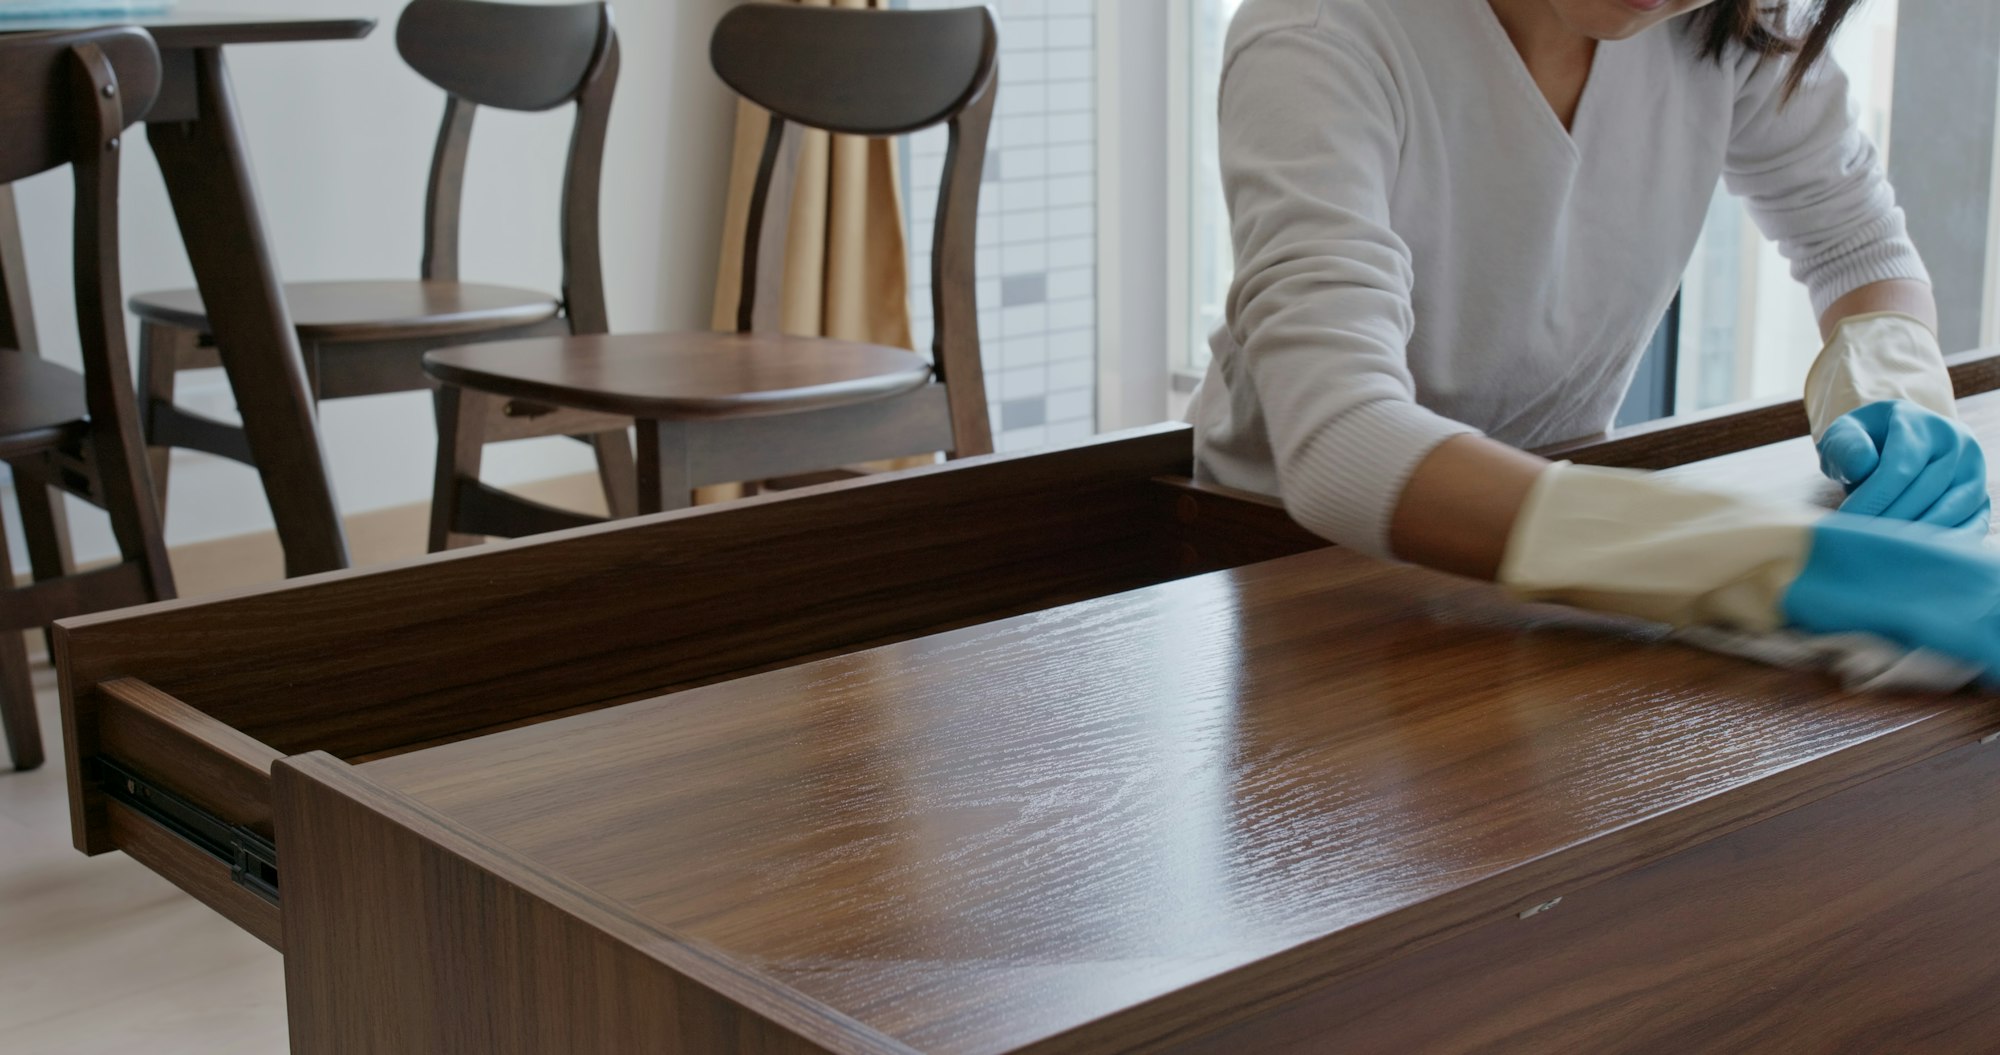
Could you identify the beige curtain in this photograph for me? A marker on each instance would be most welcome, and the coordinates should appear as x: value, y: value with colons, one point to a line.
x: 833, y: 260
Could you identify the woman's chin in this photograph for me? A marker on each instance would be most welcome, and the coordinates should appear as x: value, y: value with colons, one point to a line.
x: 1618, y: 19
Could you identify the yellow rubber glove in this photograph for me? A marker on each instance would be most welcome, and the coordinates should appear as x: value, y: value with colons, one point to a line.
x: 1631, y: 543
x: 1628, y: 542
x: 1870, y: 358
x: 1880, y: 402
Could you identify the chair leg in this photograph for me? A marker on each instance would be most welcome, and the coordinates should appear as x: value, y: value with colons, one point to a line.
x: 665, y: 481
x: 461, y: 430
x: 45, y: 524
x: 162, y: 350
x: 17, y: 690
x: 617, y: 472
x: 17, y: 704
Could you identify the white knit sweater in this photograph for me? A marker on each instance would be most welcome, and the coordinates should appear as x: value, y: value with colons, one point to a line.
x: 1423, y: 250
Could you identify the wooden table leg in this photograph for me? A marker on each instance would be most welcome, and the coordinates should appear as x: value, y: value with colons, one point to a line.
x: 208, y: 178
x: 663, y: 466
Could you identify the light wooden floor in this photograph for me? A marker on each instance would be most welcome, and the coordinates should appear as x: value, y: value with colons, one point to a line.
x: 97, y: 954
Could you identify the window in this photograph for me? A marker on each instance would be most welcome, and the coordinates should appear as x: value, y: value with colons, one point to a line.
x: 1037, y: 248
x: 1205, y: 259
x: 1746, y: 329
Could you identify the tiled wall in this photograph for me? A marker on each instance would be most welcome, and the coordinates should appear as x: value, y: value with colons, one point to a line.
x: 1037, y: 225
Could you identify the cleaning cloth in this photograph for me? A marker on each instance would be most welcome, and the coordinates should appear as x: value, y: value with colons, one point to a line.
x: 1862, y: 662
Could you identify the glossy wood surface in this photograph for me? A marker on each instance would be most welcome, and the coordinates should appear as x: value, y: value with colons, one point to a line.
x: 194, y: 28
x: 1859, y: 923
x: 1289, y: 770
x: 392, y: 658
x: 378, y: 310
x: 1132, y: 819
x: 542, y: 944
x: 684, y: 375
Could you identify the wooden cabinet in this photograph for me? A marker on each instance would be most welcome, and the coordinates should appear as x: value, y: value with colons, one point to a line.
x: 1041, y: 753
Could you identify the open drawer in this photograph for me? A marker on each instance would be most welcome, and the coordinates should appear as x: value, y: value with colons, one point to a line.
x: 174, y: 713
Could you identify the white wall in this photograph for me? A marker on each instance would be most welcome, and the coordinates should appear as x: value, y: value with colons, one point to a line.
x: 340, y: 135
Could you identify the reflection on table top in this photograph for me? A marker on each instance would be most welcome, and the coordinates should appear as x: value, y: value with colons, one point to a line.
x: 199, y: 29
x: 1302, y: 762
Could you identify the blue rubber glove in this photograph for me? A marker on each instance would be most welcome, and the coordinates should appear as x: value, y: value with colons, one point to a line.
x: 1917, y: 586
x: 1902, y: 461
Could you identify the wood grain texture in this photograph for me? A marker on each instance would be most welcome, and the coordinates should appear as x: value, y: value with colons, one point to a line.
x: 374, y: 310
x: 1220, y: 527
x: 376, y: 962
x: 1110, y: 825
x: 169, y: 741
x: 1860, y: 923
x: 204, y: 878
x: 667, y: 376
x: 1115, y: 825
x: 370, y: 660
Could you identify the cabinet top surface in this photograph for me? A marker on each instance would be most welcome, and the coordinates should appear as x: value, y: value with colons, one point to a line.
x: 1102, y: 815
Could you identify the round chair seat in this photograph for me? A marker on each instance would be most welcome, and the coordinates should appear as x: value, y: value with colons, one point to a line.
x: 41, y: 404
x: 674, y: 376
x: 333, y: 312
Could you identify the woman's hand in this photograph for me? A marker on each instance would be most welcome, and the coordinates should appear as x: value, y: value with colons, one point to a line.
x: 1902, y: 461
x: 1913, y: 585
x: 1631, y: 543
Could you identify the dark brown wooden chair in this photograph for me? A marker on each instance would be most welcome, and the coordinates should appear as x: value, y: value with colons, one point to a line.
x: 366, y: 337
x: 728, y: 407
x: 65, y: 99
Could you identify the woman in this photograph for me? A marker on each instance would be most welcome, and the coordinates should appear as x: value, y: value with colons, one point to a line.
x: 1457, y: 223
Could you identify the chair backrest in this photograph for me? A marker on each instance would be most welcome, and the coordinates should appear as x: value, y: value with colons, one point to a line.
x: 48, y: 118
x: 518, y: 57
x: 67, y: 98
x: 881, y: 73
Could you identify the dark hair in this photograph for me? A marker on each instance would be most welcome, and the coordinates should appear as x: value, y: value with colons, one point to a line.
x: 1760, y: 28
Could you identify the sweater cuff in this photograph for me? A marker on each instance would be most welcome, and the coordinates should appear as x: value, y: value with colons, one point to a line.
x: 1887, y: 255
x: 1345, y: 481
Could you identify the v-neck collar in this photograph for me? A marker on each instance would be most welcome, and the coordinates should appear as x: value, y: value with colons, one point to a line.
x: 1517, y: 71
